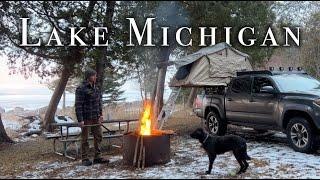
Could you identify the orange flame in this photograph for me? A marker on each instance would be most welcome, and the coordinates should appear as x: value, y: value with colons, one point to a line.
x: 145, y: 121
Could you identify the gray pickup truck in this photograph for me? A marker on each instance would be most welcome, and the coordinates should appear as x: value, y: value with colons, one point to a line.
x: 287, y: 101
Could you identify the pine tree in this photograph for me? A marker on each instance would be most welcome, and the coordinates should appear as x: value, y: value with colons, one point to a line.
x: 112, y: 87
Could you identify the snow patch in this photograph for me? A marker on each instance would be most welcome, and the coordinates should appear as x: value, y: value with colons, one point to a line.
x: 13, y: 125
x: 35, y: 126
x: 67, y: 119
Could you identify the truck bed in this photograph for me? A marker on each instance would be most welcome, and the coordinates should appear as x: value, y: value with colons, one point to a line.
x: 210, y: 97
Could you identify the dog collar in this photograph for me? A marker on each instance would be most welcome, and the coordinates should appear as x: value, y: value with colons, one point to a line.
x: 205, y: 139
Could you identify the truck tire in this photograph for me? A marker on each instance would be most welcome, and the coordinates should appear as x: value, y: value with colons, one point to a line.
x: 300, y: 135
x: 215, y: 124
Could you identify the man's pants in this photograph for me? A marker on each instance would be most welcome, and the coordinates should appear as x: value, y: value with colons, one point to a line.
x: 97, y: 134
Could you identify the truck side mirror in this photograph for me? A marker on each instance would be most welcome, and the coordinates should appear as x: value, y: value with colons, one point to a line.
x: 267, y: 89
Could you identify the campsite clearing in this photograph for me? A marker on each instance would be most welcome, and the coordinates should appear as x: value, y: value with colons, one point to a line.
x: 272, y: 158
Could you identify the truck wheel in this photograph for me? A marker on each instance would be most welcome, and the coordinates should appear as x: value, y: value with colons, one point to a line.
x: 215, y: 124
x: 300, y: 135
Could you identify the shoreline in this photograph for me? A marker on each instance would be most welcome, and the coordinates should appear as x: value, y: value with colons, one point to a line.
x: 122, y: 107
x: 19, y: 123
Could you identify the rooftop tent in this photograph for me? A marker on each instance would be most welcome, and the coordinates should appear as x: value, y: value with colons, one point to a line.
x: 210, y: 66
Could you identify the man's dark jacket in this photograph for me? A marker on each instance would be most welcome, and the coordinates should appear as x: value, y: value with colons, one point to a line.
x: 88, y: 102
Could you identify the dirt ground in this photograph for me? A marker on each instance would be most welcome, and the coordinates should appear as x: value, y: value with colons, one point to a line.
x: 39, y: 149
x: 271, y: 158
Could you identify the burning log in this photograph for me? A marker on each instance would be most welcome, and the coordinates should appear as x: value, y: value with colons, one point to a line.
x: 140, y: 152
x: 151, y: 146
x: 143, y: 157
x: 136, y: 152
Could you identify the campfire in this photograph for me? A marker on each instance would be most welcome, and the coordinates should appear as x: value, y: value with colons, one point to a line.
x: 145, y: 121
x: 147, y: 145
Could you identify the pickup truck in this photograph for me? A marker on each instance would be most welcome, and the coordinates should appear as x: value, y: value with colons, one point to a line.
x: 287, y: 101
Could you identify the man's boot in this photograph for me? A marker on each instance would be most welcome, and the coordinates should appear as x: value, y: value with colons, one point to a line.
x: 100, y: 161
x: 86, y: 162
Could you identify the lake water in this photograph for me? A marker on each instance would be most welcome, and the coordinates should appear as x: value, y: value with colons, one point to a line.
x: 31, y: 95
x: 40, y: 97
x: 34, y: 101
x: 8, y: 102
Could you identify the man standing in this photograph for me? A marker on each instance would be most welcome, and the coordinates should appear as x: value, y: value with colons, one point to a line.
x: 89, y: 114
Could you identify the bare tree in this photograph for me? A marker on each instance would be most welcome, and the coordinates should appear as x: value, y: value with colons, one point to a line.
x: 310, y: 50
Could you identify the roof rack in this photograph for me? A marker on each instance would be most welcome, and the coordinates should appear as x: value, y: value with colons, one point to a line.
x: 241, y: 73
x: 266, y: 72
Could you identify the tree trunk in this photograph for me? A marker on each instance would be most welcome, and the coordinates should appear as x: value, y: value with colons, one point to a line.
x: 192, y: 96
x: 64, y: 100
x: 164, y: 58
x: 152, y: 99
x: 154, y: 91
x: 140, y: 85
x: 145, y: 87
x: 160, y: 89
x: 183, y: 102
x: 141, y: 94
x: 3, y: 135
x: 100, y: 66
x: 103, y: 60
x: 58, y: 91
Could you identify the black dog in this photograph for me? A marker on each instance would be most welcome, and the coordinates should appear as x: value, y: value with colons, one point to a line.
x: 220, y: 144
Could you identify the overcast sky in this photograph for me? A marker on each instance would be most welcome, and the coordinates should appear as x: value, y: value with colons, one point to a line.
x: 16, y: 81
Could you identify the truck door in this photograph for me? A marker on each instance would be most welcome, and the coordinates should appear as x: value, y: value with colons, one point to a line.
x: 263, y: 104
x: 237, y: 99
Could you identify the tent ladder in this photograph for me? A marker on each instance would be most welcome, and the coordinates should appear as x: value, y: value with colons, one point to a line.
x: 168, y: 108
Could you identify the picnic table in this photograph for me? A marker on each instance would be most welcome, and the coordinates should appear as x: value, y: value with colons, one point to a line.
x: 67, y: 138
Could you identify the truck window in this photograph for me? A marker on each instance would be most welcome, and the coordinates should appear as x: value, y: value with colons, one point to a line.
x: 220, y: 90
x: 241, y: 85
x: 259, y: 82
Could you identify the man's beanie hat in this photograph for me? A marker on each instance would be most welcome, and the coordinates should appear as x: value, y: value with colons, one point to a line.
x: 89, y: 72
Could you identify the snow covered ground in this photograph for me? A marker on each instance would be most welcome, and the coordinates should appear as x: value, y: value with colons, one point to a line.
x: 11, y: 124
x: 20, y: 130
x: 188, y: 160
x: 25, y: 128
x: 271, y: 158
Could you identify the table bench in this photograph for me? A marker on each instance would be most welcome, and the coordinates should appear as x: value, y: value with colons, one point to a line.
x: 67, y: 139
